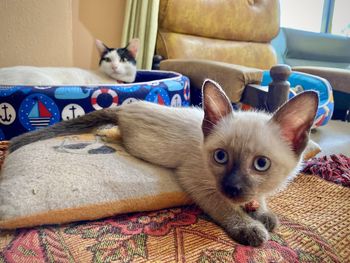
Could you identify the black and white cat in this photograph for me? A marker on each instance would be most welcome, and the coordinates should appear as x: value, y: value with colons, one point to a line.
x: 116, y: 64
x: 119, y: 63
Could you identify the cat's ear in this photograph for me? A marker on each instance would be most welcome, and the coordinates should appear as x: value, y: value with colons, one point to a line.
x: 295, y: 119
x: 100, y: 46
x: 133, y: 46
x: 216, y: 105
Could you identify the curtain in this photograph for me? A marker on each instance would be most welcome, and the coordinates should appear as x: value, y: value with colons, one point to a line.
x: 141, y: 21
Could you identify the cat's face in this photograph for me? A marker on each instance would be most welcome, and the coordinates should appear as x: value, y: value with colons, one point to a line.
x: 247, y: 157
x: 119, y: 63
x: 251, y: 154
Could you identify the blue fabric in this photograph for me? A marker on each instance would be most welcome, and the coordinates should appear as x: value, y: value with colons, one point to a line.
x: 26, y: 108
x: 306, y: 81
x: 310, y: 82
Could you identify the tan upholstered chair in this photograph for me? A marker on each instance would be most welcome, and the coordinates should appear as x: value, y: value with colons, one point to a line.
x: 232, y: 31
x: 228, y: 41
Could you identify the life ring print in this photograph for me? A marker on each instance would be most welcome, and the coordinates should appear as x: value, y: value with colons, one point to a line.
x: 104, y: 98
x: 186, y: 91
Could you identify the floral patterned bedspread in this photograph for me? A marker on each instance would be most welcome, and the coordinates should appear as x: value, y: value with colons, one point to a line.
x: 312, y: 231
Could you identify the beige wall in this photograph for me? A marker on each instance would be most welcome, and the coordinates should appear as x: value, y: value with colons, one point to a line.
x: 57, y: 32
x: 102, y: 19
x: 36, y: 32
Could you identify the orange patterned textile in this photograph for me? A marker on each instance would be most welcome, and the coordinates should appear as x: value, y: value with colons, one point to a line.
x: 315, y: 227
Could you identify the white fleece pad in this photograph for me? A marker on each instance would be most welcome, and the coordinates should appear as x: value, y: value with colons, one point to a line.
x: 80, y: 171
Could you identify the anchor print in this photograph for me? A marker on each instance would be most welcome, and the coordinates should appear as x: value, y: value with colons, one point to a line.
x: 72, y: 111
x: 7, y: 118
x: 7, y: 114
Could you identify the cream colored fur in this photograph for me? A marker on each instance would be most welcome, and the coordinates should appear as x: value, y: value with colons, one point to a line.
x: 48, y: 76
x: 185, y: 139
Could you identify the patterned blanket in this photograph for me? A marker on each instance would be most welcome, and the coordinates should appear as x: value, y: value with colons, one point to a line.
x: 312, y: 231
x: 315, y: 227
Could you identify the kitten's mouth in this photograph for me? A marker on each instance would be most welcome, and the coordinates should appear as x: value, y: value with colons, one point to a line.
x: 237, y: 200
x: 234, y: 194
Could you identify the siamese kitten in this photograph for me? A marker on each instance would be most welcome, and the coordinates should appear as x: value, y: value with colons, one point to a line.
x: 116, y: 64
x: 222, y: 159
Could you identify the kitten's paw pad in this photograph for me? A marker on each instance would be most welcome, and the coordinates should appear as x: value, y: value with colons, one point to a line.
x: 269, y: 220
x: 254, y: 235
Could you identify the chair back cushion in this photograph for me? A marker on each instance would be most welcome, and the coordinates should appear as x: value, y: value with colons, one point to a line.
x: 233, y: 31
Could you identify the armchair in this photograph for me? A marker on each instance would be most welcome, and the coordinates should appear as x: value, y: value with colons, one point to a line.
x: 196, y: 40
x: 323, y: 55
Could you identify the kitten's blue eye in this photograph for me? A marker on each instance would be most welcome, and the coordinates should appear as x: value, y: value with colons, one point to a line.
x: 107, y: 59
x: 261, y: 163
x: 220, y: 156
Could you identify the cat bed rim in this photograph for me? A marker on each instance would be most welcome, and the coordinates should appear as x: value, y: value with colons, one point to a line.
x: 176, y: 75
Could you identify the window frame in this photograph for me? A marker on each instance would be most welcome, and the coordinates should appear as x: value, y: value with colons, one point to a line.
x: 327, y: 16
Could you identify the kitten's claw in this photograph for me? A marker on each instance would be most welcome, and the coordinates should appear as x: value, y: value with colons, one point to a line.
x: 253, y: 235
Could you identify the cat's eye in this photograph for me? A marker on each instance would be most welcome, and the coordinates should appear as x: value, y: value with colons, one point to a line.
x: 107, y: 59
x: 261, y: 163
x: 221, y: 156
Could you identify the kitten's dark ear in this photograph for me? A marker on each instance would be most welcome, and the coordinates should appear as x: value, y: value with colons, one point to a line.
x: 100, y: 46
x: 216, y: 105
x: 133, y: 46
x: 295, y: 119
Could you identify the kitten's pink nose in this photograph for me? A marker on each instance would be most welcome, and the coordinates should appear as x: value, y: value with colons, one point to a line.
x: 114, y: 67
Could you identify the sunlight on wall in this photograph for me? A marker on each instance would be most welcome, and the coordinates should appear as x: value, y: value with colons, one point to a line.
x: 36, y: 33
x: 301, y: 14
x: 58, y: 32
x: 341, y: 18
x: 95, y: 19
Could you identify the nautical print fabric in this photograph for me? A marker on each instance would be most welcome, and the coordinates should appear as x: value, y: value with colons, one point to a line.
x: 26, y: 108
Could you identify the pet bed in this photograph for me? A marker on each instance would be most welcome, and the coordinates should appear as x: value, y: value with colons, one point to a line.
x: 26, y: 108
x: 80, y: 177
x: 313, y: 231
x: 302, y: 81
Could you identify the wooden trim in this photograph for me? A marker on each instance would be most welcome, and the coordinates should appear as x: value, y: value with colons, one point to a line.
x: 272, y: 97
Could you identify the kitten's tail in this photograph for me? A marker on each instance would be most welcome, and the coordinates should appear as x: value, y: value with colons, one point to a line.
x: 79, y: 125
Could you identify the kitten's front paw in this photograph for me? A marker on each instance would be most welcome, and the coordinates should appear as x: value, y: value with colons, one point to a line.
x: 269, y: 220
x: 251, y: 235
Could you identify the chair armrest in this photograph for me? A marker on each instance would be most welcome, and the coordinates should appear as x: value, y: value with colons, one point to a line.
x: 338, y: 78
x: 238, y: 82
x: 272, y: 97
x: 232, y: 78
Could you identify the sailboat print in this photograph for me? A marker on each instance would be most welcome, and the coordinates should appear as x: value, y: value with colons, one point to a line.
x: 39, y: 116
x: 160, y: 100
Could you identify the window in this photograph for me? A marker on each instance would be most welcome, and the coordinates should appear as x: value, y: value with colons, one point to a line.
x: 301, y: 14
x: 341, y: 18
x: 327, y: 16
